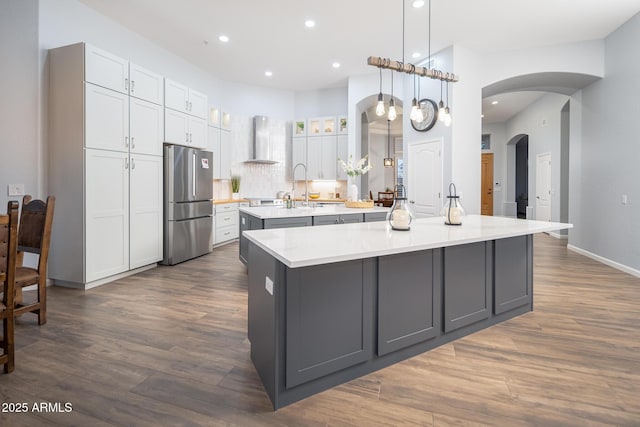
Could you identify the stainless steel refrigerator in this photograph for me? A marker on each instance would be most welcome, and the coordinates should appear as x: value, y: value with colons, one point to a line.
x: 188, y: 190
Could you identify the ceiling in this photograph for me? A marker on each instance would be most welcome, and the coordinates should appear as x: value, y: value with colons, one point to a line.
x: 508, y: 105
x: 271, y: 35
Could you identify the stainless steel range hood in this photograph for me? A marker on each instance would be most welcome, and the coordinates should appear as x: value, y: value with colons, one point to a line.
x: 262, y: 142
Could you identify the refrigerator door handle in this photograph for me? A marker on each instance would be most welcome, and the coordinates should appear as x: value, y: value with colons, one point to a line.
x: 194, y: 174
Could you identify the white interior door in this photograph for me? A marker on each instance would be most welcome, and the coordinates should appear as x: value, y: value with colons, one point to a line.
x: 543, y: 187
x: 424, y: 184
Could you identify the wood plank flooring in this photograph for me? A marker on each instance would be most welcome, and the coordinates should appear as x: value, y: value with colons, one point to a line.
x: 169, y: 347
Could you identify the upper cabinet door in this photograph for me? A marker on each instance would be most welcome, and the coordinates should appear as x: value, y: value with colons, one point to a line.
x: 106, y: 70
x: 106, y: 119
x: 176, y: 96
x: 146, y: 128
x: 145, y: 84
x: 197, y: 132
x: 343, y: 154
x: 198, y: 104
x: 225, y: 154
x: 176, y: 127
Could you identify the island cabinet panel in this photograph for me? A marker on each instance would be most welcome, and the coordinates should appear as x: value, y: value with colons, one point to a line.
x: 247, y: 222
x: 408, y: 299
x: 513, y: 273
x: 328, y: 320
x: 375, y: 216
x: 467, y: 284
x: 337, y: 219
x: 304, y: 221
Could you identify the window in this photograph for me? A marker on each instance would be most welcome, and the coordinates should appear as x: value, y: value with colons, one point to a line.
x: 486, y: 141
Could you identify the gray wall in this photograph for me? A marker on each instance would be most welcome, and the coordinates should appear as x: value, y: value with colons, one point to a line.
x: 499, y: 149
x: 610, y: 155
x: 22, y: 160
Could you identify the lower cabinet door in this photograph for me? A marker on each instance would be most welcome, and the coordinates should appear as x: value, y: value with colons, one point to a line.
x: 326, y: 219
x: 287, y: 222
x: 350, y: 218
x: 513, y: 273
x: 408, y: 299
x: 106, y: 213
x: 146, y: 210
x: 226, y: 233
x: 328, y: 319
x: 467, y: 284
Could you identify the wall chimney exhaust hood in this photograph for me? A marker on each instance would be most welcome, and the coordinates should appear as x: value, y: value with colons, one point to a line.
x: 262, y: 142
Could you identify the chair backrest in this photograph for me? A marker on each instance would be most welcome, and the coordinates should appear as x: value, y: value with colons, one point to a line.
x: 34, y: 234
x: 8, y: 253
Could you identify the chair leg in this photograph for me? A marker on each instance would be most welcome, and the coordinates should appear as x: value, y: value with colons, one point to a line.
x: 8, y: 344
x: 42, y: 299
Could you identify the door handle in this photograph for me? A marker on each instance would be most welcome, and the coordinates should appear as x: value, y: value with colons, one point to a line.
x: 411, y: 201
x: 537, y: 197
x: 194, y: 175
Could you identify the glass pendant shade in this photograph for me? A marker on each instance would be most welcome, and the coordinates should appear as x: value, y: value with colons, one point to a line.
x: 400, y: 215
x: 441, y: 111
x: 447, y: 117
x: 392, y: 110
x: 452, y: 211
x: 416, y: 113
x: 380, y: 107
x: 388, y: 162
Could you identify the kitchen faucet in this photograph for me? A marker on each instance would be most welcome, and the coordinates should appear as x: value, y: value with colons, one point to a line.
x: 293, y: 179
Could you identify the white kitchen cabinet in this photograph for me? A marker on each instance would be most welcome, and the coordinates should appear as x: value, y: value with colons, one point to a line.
x: 226, y: 223
x: 182, y: 98
x: 106, y: 118
x: 145, y: 84
x: 146, y: 128
x: 299, y: 155
x: 320, y: 126
x: 321, y: 157
x: 225, y: 121
x: 213, y: 136
x: 183, y: 129
x: 145, y: 211
x: 105, y: 169
x: 105, y: 69
x: 299, y: 128
x: 342, y: 153
x: 107, y: 213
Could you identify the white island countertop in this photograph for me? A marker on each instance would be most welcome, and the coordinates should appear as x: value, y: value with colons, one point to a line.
x: 306, y: 246
x: 281, y: 212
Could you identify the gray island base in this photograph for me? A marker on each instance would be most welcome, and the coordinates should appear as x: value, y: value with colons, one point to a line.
x: 314, y: 324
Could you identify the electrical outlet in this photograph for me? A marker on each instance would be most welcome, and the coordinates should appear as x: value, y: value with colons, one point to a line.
x: 268, y: 285
x: 15, y: 190
x: 624, y: 199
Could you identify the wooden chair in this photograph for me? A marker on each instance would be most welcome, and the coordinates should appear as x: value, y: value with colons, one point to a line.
x: 34, y: 236
x: 8, y: 260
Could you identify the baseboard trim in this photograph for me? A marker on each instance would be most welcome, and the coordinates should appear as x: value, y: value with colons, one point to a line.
x: 607, y: 261
x: 558, y: 235
x: 99, y: 282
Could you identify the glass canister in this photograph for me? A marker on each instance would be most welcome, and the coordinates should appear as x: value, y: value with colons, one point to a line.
x: 400, y: 215
x: 452, y: 211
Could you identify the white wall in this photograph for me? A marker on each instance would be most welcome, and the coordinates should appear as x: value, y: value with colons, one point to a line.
x: 22, y: 160
x: 610, y: 155
x: 318, y: 103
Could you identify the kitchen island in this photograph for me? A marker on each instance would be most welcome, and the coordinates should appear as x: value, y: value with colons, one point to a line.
x: 330, y: 304
x: 258, y: 218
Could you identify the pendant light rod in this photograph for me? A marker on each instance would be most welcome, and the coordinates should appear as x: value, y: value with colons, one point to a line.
x: 403, y: 2
x: 429, y: 63
x: 402, y: 67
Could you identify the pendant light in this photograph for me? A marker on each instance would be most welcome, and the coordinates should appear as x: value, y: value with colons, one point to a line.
x: 447, y: 112
x: 441, y: 111
x: 380, y: 107
x: 416, y: 112
x: 392, y: 104
x: 388, y: 161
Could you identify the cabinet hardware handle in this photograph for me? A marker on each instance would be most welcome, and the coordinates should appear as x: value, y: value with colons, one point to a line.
x: 133, y: 85
x: 336, y: 222
x: 186, y: 105
x: 126, y: 163
x: 190, y: 137
x: 133, y: 164
x: 133, y: 144
x: 411, y: 201
x: 126, y: 141
x: 342, y: 221
x: 187, y: 137
x: 190, y: 106
x: 126, y: 84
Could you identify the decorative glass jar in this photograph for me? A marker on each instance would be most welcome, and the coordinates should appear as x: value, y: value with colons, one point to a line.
x: 452, y: 211
x: 400, y: 215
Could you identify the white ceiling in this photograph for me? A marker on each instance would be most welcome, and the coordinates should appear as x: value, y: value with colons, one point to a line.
x: 270, y: 34
x: 509, y: 104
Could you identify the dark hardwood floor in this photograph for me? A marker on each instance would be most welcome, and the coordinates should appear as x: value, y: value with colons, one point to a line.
x: 169, y: 347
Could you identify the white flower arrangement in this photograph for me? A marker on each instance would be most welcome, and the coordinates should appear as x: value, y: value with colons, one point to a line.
x: 363, y: 166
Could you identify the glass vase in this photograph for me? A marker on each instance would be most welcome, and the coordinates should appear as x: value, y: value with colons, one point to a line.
x: 352, y: 189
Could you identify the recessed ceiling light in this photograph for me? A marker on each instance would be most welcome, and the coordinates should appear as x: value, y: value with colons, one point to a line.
x: 418, y: 3
x: 268, y: 73
x: 416, y: 55
x: 309, y: 23
x: 494, y: 102
x: 336, y: 65
x: 482, y: 116
x: 223, y: 38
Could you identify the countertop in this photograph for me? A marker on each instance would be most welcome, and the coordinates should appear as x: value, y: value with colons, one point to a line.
x: 335, y: 243
x: 223, y: 201
x: 281, y: 212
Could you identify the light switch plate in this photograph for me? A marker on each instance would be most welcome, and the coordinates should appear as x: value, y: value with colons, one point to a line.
x: 268, y: 285
x: 15, y: 189
x: 624, y: 199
